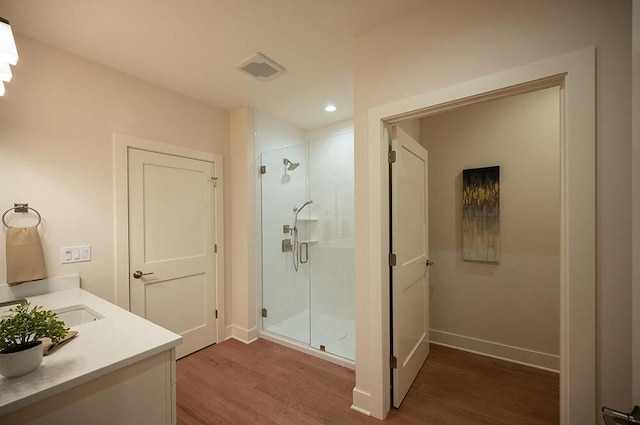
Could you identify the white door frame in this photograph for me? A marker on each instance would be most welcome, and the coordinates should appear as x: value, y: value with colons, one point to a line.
x: 575, y: 74
x: 121, y: 145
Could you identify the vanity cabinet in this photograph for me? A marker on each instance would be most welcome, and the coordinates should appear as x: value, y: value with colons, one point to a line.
x: 143, y: 393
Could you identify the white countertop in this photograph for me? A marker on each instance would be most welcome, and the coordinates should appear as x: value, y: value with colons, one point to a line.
x: 118, y: 340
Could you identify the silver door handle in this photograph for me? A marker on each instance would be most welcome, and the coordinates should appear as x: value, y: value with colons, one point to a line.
x: 138, y: 274
x: 429, y: 263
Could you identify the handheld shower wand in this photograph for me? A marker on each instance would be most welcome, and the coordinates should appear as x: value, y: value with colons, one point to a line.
x: 297, y: 210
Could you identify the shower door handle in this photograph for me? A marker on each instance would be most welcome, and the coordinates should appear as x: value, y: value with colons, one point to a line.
x: 305, y: 251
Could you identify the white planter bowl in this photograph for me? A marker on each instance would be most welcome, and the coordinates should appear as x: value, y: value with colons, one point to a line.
x: 20, y: 363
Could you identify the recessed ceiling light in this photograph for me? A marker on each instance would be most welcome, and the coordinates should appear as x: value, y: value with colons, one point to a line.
x: 330, y: 108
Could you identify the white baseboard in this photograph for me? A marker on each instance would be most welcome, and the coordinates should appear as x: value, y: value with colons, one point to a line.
x: 509, y: 353
x: 228, y: 332
x: 361, y: 402
x: 241, y: 334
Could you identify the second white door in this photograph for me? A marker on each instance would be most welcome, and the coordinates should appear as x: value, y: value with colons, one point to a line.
x: 171, y: 245
x: 410, y: 244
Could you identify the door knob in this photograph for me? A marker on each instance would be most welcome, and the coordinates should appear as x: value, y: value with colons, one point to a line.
x: 138, y: 274
x: 429, y: 263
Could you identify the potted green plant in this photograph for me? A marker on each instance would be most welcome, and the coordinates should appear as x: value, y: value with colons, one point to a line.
x: 20, y: 331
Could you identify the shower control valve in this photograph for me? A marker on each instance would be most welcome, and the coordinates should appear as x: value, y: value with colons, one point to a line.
x: 287, y: 246
x: 286, y: 229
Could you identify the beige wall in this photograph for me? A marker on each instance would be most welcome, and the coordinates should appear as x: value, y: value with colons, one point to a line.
x: 515, y: 302
x: 57, y: 120
x: 450, y: 42
x: 242, y: 324
x: 411, y: 127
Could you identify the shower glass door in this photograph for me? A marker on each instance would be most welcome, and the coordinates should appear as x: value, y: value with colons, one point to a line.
x: 285, y: 279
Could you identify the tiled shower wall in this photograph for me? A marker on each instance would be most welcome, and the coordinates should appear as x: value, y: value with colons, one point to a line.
x: 332, y: 258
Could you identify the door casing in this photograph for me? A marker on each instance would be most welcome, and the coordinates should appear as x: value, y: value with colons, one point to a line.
x: 575, y: 74
x: 121, y: 145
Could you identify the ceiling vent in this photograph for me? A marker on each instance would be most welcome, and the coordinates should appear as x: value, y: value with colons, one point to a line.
x: 261, y: 67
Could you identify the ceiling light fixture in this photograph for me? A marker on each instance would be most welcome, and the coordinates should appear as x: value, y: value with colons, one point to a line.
x: 8, y: 52
x: 330, y: 108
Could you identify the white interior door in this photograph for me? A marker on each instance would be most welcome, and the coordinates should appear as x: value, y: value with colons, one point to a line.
x: 171, y: 242
x: 409, y: 278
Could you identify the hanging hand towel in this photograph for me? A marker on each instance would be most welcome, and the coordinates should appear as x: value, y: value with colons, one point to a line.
x: 25, y: 259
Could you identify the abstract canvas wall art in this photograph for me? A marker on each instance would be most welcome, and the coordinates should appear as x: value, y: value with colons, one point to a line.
x: 481, y: 214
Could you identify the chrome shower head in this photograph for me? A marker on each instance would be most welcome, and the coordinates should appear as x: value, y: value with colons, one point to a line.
x: 290, y: 165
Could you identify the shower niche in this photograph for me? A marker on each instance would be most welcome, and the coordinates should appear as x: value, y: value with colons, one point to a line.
x: 307, y: 218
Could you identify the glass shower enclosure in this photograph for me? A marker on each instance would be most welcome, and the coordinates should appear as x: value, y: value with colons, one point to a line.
x: 308, y: 275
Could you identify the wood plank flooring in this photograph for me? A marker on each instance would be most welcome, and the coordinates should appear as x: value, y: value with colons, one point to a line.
x: 265, y: 383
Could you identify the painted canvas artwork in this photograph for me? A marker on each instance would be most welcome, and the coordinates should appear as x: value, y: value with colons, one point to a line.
x: 481, y: 214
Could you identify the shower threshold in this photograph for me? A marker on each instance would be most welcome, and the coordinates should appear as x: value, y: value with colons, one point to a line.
x: 336, y: 334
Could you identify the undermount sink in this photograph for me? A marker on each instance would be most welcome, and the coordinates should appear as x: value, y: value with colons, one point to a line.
x: 77, y: 315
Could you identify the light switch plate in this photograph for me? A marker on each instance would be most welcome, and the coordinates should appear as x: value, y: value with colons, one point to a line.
x: 75, y: 254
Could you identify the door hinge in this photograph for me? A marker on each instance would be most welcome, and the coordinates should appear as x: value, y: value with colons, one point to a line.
x: 264, y: 312
x: 393, y: 361
x: 263, y: 169
x: 393, y: 260
x: 215, y: 248
x: 216, y: 313
x: 215, y: 181
x: 392, y: 157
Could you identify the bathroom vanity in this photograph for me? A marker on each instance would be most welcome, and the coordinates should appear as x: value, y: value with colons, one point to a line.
x: 120, y: 369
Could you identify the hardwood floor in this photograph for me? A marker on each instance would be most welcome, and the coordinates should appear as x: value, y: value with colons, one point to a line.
x: 265, y: 383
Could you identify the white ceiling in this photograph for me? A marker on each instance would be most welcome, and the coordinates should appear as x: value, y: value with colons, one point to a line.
x: 193, y: 46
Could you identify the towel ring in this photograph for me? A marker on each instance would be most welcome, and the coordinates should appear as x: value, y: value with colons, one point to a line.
x: 21, y: 208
